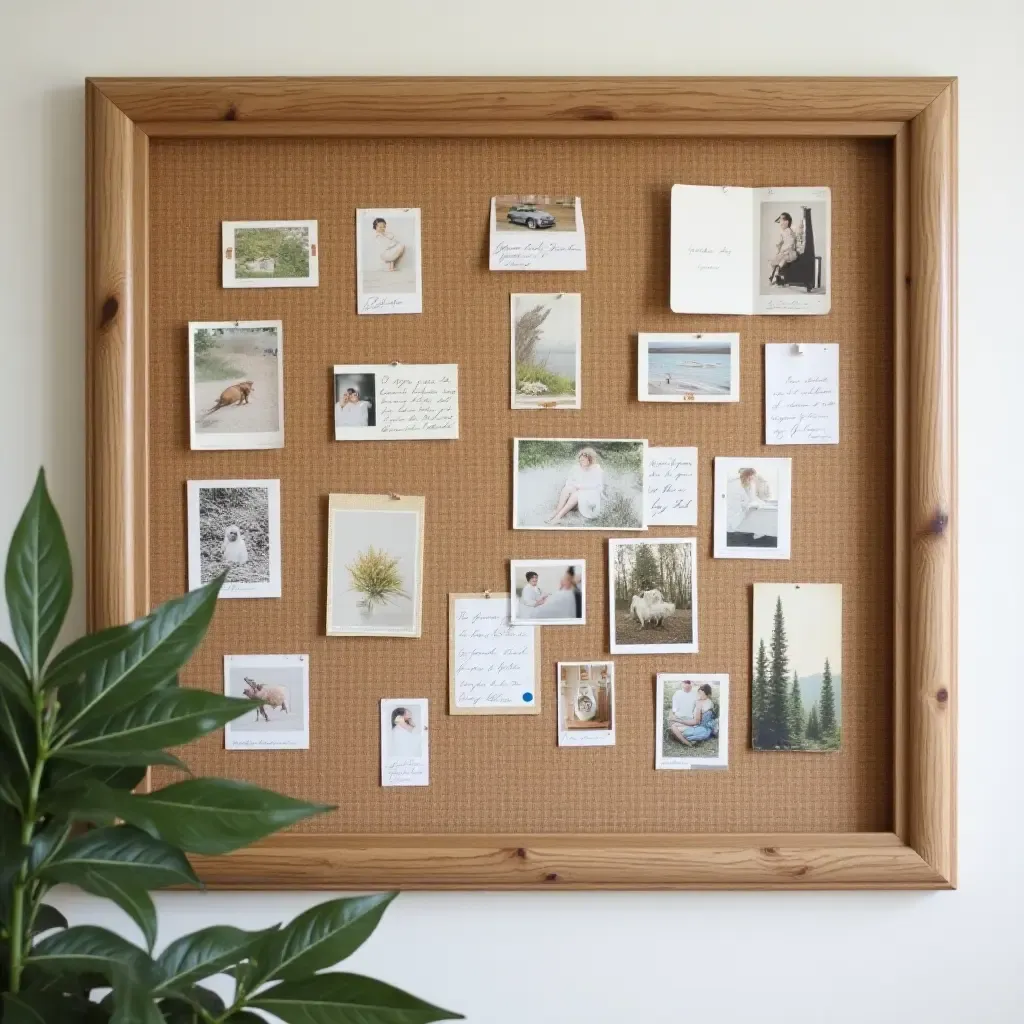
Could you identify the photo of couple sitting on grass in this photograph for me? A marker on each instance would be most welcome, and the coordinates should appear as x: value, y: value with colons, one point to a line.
x: 692, y: 721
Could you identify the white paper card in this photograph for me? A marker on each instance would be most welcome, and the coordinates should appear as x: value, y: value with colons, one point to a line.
x: 404, y: 742
x: 537, y: 232
x: 801, y: 394
x: 493, y: 662
x: 381, y: 402
x: 750, y: 250
x: 671, y: 486
x: 278, y: 685
x: 388, y: 261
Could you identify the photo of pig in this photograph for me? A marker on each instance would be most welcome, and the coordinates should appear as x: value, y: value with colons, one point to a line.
x: 278, y: 686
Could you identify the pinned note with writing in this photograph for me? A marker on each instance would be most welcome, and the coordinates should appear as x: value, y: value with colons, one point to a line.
x: 801, y: 393
x: 671, y: 486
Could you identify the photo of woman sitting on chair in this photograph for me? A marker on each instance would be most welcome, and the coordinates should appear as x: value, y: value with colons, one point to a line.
x: 788, y: 250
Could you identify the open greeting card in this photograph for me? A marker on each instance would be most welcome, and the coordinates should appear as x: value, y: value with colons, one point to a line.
x: 751, y: 250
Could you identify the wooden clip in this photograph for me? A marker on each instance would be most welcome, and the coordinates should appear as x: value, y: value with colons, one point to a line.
x: 394, y: 497
x: 487, y: 594
x: 396, y: 363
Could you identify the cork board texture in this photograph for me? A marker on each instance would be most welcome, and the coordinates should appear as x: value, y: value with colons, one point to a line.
x: 506, y: 773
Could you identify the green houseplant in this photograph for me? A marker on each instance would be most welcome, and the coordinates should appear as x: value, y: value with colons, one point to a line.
x: 77, y: 732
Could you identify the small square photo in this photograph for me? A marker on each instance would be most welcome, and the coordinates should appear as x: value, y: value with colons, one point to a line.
x: 270, y: 254
x: 692, y: 721
x: 234, y: 526
x: 549, y: 592
x: 278, y: 686
x: 355, y: 402
x: 753, y: 508
x: 586, y: 704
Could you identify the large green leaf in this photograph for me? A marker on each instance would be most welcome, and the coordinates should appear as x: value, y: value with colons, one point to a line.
x: 207, y: 816
x: 125, y: 758
x: 203, y: 954
x: 131, y: 898
x: 47, y: 918
x: 38, y: 578
x: 89, y: 949
x: 160, y: 644
x: 167, y: 718
x: 17, y: 742
x: 346, y: 999
x: 318, y: 938
x: 88, y: 651
x: 246, y: 1017
x: 68, y: 776
x: 50, y: 1008
x: 13, y: 680
x: 45, y: 842
x: 133, y: 1000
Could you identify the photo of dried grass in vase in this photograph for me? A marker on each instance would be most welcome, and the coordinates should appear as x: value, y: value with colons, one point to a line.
x: 376, y: 577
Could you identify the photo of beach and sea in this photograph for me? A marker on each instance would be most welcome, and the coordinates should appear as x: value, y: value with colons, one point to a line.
x: 679, y: 366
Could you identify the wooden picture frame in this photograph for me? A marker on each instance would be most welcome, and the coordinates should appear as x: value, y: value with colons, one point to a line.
x: 918, y: 115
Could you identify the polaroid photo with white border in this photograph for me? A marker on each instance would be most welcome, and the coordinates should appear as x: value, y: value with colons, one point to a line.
x: 546, y: 343
x: 691, y: 712
x: 383, y: 402
x: 586, y: 704
x: 388, y: 261
x: 753, y: 508
x: 278, y: 684
x: 537, y: 232
x: 235, y: 525
x: 549, y: 591
x: 269, y: 254
x: 404, y: 742
x: 236, y: 385
x: 652, y: 595
x: 688, y: 367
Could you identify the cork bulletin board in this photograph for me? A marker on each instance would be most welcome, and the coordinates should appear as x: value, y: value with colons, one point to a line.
x: 505, y: 805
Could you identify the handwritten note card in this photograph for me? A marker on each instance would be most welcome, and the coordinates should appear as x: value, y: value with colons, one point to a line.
x: 536, y: 232
x: 671, y: 486
x: 384, y: 403
x: 801, y: 394
x: 493, y: 664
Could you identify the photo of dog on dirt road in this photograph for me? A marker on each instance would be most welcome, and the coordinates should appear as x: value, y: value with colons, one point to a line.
x: 652, y: 596
x: 236, y: 387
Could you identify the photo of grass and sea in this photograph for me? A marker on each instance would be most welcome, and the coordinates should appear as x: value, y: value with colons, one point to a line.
x: 680, y: 366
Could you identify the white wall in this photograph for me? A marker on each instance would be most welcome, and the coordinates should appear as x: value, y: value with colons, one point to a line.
x: 732, y: 957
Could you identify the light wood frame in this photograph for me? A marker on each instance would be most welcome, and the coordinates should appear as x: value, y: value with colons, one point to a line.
x: 918, y: 115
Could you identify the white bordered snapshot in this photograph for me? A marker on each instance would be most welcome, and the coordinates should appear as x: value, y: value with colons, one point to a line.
x: 385, y: 402
x: 235, y: 526
x: 269, y: 254
x: 801, y: 393
x: 549, y: 591
x: 404, y: 742
x: 691, y: 712
x: 578, y: 484
x: 688, y: 367
x: 753, y: 508
x: 652, y: 595
x: 586, y: 704
x: 751, y: 250
x: 671, y: 486
x: 493, y: 663
x: 236, y: 385
x: 537, y: 232
x: 278, y: 685
x: 546, y: 343
x: 388, y: 261
x: 374, y: 565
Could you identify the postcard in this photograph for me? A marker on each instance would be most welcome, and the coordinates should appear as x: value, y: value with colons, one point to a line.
x: 269, y: 254
x: 549, y: 592
x: 537, y: 232
x: 404, y: 742
x: 801, y: 393
x: 236, y: 386
x: 753, y: 508
x: 278, y: 685
x: 578, y: 484
x: 671, y: 486
x: 388, y: 261
x: 797, y: 692
x: 692, y: 720
x: 493, y: 663
x: 586, y: 704
x: 235, y: 526
x: 751, y: 250
x: 374, y: 565
x: 385, y: 402
x: 652, y: 596
x: 546, y: 332
x: 688, y: 367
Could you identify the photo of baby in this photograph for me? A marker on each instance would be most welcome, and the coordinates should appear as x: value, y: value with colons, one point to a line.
x: 388, y: 252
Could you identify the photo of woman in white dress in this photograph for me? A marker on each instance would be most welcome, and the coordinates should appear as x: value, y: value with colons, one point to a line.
x: 548, y: 592
x: 406, y: 737
x: 584, y: 488
x: 354, y: 401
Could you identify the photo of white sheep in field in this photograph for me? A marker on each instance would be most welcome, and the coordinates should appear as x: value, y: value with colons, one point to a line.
x: 650, y: 608
x: 271, y: 696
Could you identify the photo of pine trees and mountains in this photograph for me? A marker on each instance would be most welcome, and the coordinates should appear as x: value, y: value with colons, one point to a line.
x: 796, y: 702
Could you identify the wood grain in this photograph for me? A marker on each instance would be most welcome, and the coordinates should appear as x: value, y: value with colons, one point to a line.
x: 760, y: 861
x: 523, y: 99
x: 932, y: 360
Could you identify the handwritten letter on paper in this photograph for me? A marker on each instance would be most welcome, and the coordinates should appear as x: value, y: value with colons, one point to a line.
x: 801, y: 394
x: 493, y: 662
x: 671, y: 486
